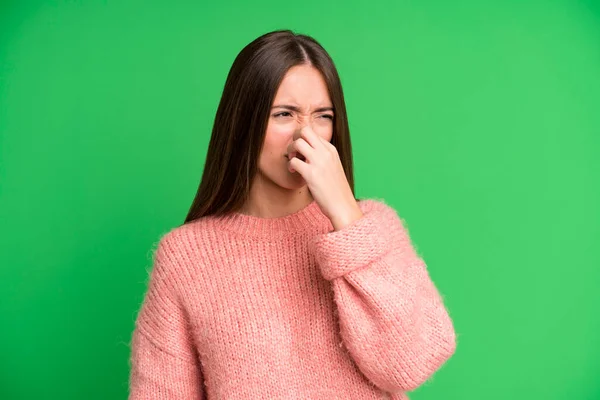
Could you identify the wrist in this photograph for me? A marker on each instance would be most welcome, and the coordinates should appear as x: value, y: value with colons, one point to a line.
x: 347, y: 217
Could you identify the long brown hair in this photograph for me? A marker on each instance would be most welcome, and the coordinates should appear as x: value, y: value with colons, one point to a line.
x: 242, y: 116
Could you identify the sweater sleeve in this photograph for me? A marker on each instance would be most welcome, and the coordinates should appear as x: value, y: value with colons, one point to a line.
x: 392, y: 318
x: 163, y: 361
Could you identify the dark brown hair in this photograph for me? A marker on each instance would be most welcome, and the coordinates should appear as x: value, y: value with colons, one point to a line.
x: 243, y: 113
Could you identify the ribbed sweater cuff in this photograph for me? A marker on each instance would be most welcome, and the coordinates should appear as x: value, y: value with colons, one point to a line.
x: 356, y: 245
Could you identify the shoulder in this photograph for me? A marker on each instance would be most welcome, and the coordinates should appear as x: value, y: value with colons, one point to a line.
x: 181, y: 246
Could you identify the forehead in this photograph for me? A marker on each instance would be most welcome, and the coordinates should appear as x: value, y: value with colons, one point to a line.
x: 305, y: 86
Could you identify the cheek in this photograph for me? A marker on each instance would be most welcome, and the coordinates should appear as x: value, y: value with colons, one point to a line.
x: 274, y: 139
x: 324, y: 129
x: 326, y: 135
x: 274, y: 147
x: 278, y: 132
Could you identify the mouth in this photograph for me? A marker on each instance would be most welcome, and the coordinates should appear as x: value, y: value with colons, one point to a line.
x: 299, y: 156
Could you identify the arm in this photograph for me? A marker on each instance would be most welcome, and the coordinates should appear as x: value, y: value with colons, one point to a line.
x: 163, y: 360
x: 392, y: 318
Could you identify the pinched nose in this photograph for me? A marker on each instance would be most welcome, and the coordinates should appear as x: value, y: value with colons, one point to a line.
x: 298, y: 131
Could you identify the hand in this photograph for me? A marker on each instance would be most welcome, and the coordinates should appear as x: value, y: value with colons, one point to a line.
x: 324, y: 174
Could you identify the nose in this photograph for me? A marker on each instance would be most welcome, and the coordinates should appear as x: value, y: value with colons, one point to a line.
x: 299, y: 128
x: 302, y: 120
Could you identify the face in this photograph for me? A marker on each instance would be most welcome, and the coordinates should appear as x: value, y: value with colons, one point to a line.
x: 301, y: 99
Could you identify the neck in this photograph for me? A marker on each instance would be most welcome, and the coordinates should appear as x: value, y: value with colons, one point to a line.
x: 277, y: 214
x: 272, y: 201
x: 304, y: 222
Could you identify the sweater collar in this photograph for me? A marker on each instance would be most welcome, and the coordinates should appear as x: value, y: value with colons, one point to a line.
x: 309, y: 219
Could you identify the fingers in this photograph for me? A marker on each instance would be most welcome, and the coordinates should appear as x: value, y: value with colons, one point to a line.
x: 298, y: 165
x: 312, y: 138
x: 300, y: 146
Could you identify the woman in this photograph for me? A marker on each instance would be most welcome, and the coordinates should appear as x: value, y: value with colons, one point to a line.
x: 281, y: 284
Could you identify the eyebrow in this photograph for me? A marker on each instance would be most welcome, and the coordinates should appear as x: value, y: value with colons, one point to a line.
x: 294, y: 108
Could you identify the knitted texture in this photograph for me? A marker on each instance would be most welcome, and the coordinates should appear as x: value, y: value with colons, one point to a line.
x: 239, y: 306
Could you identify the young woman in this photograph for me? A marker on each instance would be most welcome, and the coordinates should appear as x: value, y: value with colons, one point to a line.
x: 281, y: 284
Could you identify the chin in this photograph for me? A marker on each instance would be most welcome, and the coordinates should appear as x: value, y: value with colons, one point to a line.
x: 292, y: 181
x: 286, y: 180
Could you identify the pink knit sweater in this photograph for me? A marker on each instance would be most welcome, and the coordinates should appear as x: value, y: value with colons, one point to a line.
x: 242, y: 307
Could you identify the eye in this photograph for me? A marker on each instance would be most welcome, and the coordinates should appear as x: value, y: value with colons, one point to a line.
x: 282, y: 114
x: 327, y: 116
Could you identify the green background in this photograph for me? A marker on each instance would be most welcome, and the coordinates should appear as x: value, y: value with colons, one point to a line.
x: 478, y: 121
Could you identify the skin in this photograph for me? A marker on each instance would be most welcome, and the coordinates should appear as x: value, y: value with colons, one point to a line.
x: 298, y: 164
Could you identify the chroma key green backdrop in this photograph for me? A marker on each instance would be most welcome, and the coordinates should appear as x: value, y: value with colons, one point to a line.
x: 478, y: 121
